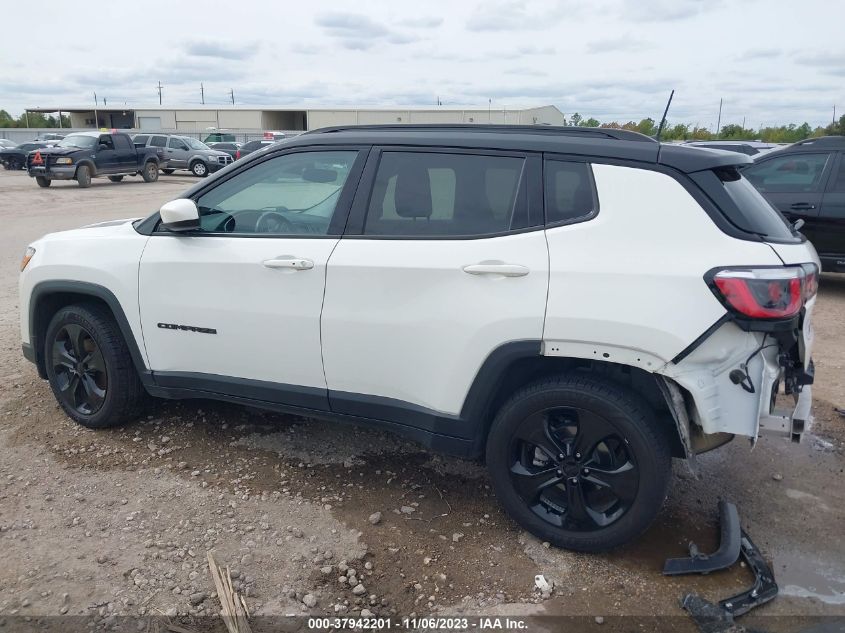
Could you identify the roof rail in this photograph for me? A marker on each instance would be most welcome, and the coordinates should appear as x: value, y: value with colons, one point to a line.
x: 824, y: 141
x: 551, y: 130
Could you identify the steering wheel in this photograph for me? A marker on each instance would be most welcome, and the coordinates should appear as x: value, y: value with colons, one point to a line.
x: 273, y: 222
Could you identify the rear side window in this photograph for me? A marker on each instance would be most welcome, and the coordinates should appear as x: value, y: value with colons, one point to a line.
x: 794, y: 173
x: 429, y: 194
x: 569, y: 191
x: 158, y: 141
x: 140, y: 140
x: 121, y: 142
x: 749, y: 210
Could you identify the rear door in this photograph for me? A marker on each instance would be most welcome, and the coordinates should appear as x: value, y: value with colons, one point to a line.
x: 444, y: 261
x: 794, y: 184
x: 831, y: 240
x: 126, y: 155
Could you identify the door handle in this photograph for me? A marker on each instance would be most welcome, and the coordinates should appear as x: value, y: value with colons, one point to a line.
x: 802, y: 206
x: 505, y: 270
x: 289, y: 263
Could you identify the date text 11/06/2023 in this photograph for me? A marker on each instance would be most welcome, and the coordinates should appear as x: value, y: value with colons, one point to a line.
x: 412, y: 624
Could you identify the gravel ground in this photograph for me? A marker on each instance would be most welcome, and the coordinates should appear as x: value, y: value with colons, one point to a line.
x: 321, y: 518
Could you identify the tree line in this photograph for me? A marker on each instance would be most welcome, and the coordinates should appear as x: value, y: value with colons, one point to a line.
x: 33, y: 119
x: 789, y: 133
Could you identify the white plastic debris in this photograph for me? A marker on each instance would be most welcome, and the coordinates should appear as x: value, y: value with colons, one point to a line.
x: 542, y: 584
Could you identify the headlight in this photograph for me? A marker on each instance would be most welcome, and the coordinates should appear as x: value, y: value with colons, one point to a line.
x: 64, y: 161
x: 27, y: 256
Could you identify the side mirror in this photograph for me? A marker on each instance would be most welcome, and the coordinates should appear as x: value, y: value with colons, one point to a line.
x: 180, y: 215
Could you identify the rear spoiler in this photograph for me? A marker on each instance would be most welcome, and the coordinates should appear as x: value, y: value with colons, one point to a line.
x: 692, y: 159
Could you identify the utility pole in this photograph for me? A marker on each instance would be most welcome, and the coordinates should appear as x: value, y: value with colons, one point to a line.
x: 159, y: 92
x: 26, y: 114
x: 232, y: 94
x: 834, y: 114
x: 202, y: 94
x: 489, y: 106
x: 60, y: 119
x: 96, y: 116
x: 719, y: 121
x: 743, y: 123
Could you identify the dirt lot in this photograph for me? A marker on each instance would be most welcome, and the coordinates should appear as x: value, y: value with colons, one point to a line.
x: 118, y: 522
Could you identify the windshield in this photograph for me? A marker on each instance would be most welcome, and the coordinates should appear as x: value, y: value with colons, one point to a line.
x: 195, y: 144
x: 77, y: 140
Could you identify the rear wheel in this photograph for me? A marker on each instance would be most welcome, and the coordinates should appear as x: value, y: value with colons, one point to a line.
x: 579, y: 462
x: 42, y: 181
x: 167, y: 172
x: 115, y: 178
x: 83, y: 176
x: 199, y: 169
x: 150, y: 173
x: 89, y: 367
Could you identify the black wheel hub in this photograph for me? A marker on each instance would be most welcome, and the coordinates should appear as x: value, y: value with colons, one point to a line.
x: 79, y: 369
x: 573, y: 468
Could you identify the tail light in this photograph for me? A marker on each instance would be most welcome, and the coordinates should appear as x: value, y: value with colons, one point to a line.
x: 766, y: 293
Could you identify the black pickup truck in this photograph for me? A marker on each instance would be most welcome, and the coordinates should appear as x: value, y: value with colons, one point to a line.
x: 82, y: 156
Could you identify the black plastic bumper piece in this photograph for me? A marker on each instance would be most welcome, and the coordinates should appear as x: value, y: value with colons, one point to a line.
x: 725, y: 556
x: 764, y: 589
x: 28, y: 352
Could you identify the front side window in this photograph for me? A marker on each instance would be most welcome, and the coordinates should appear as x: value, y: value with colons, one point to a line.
x: 176, y: 143
x: 793, y: 173
x: 429, y: 194
x: 293, y: 194
x: 107, y: 141
x: 569, y: 191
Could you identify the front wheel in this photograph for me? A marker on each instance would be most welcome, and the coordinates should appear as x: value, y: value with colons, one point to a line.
x: 579, y: 461
x: 115, y: 178
x: 83, y: 176
x: 89, y: 367
x: 42, y: 181
x: 199, y: 169
x: 150, y: 173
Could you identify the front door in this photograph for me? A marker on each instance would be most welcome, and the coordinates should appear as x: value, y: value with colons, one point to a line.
x: 234, y: 308
x: 444, y: 262
x: 794, y: 184
x: 105, y: 155
x: 177, y: 153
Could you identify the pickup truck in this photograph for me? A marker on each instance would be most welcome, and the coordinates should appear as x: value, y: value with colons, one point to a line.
x: 82, y: 156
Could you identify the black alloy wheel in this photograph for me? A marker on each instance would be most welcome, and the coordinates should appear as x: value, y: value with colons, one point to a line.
x: 573, y: 468
x: 80, y: 369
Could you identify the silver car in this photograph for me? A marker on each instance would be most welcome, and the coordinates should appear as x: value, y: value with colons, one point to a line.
x: 184, y: 152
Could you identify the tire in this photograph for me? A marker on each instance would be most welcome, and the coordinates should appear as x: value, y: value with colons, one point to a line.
x: 115, y: 178
x: 83, y: 176
x: 590, y: 503
x: 167, y: 172
x: 43, y: 182
x: 150, y: 173
x: 199, y: 169
x: 108, y: 391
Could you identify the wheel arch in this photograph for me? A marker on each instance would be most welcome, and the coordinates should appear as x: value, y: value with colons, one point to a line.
x: 87, y: 163
x: 516, y: 364
x: 48, y: 297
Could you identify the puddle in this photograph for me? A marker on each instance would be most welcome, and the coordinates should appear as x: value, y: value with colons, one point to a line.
x: 807, y: 578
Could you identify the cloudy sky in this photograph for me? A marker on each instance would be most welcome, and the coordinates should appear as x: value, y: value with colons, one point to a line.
x: 772, y: 61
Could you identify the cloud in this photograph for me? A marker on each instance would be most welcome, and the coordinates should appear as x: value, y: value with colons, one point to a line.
x: 518, y: 15
x: 360, y: 32
x: 760, y: 53
x: 421, y: 23
x: 526, y: 71
x: 666, y: 10
x: 535, y: 50
x: 623, y: 44
x: 216, y: 50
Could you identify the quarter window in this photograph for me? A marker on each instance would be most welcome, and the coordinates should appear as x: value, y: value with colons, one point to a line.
x: 569, y: 191
x: 294, y: 194
x: 796, y: 172
x: 429, y: 194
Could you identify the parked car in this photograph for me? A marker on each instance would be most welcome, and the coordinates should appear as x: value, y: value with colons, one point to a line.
x: 230, y: 148
x: 82, y: 156
x: 184, y: 152
x: 7, y: 144
x: 749, y: 148
x: 253, y: 146
x: 15, y: 157
x: 576, y: 305
x: 806, y: 181
x: 50, y: 136
x: 220, y: 136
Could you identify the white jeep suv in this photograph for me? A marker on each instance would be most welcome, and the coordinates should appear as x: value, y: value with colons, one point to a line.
x: 576, y: 306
